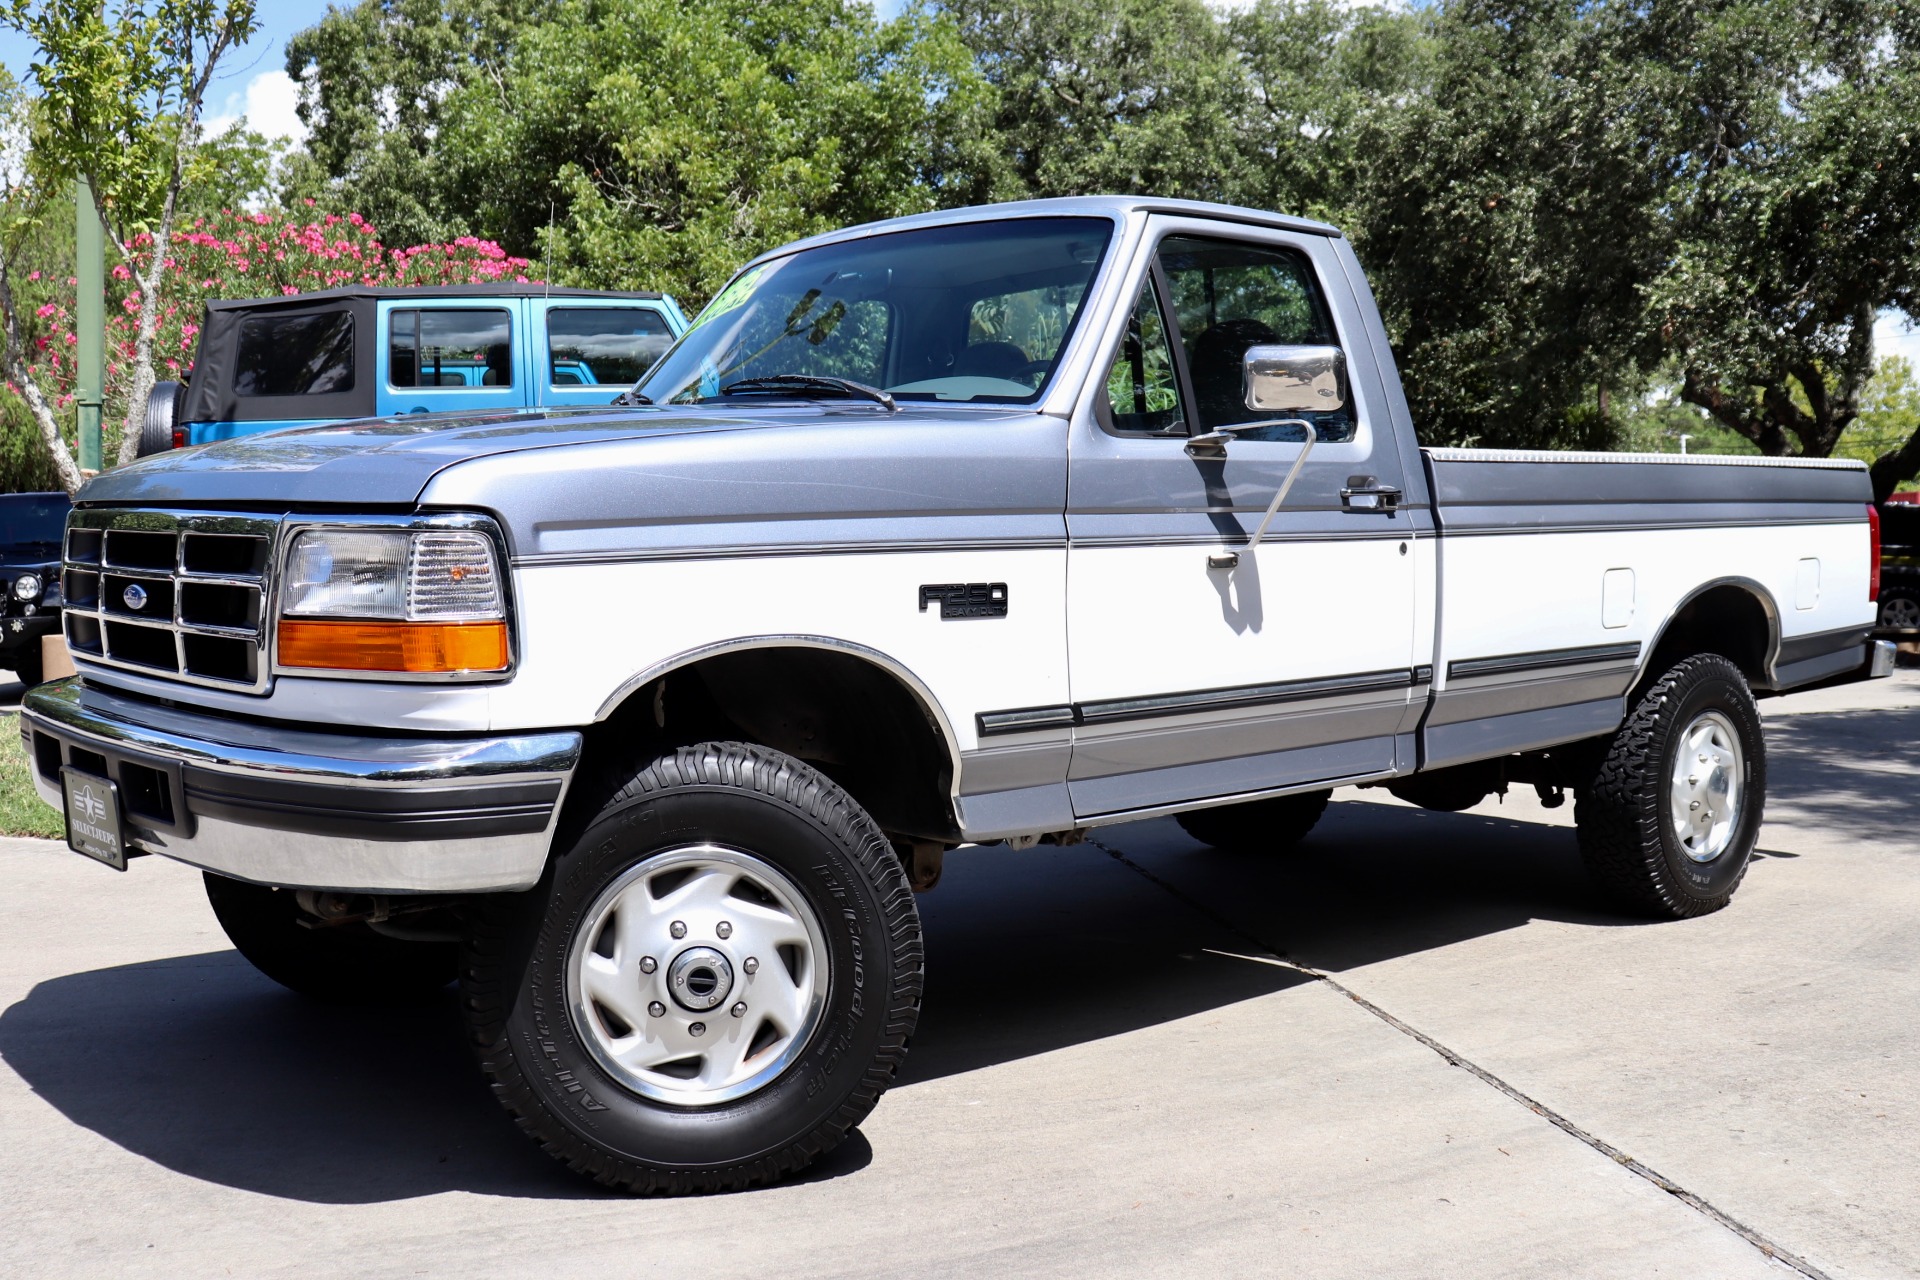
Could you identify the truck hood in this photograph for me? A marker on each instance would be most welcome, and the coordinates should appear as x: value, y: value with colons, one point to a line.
x: 387, y: 462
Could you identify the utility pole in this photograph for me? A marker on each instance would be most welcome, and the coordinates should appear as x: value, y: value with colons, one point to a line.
x: 90, y: 316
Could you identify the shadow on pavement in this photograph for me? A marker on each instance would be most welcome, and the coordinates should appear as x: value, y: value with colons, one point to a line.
x: 1855, y: 771
x: 205, y: 1067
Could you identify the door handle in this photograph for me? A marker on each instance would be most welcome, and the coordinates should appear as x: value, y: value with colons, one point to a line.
x: 1366, y: 495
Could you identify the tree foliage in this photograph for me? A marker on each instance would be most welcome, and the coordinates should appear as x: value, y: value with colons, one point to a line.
x: 120, y: 97
x: 662, y: 140
x: 1790, y: 134
x: 1590, y: 223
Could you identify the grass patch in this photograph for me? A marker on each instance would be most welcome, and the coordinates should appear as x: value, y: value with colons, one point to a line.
x: 22, y: 811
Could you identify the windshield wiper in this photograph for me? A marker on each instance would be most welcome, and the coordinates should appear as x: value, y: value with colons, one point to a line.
x: 801, y: 383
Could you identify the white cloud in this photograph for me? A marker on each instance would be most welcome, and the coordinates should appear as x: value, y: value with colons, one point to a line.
x: 266, y: 104
x: 1894, y: 335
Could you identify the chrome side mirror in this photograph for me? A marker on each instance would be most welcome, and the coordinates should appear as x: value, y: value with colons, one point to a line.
x: 1295, y: 379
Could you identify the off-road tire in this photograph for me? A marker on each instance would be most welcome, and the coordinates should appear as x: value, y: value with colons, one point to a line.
x: 338, y: 964
x: 1625, y: 833
x: 1258, y: 826
x: 791, y: 817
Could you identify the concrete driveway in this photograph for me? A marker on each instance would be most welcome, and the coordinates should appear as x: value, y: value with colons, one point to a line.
x: 1127, y: 1065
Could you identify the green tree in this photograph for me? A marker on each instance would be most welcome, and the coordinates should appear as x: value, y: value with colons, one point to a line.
x: 664, y: 141
x: 1508, y: 217
x: 121, y: 95
x: 36, y: 450
x: 1788, y: 134
x: 379, y: 81
x: 1888, y: 418
x: 1132, y: 96
x: 1316, y: 72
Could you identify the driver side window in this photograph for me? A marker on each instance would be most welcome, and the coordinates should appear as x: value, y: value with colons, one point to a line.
x: 1143, y: 393
x: 1229, y: 296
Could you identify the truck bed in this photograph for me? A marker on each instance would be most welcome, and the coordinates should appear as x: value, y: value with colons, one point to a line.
x: 1559, y: 573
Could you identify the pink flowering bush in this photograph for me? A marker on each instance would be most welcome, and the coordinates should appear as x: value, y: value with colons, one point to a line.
x: 245, y: 255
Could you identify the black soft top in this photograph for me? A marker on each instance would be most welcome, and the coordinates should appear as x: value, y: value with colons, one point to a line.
x: 210, y: 397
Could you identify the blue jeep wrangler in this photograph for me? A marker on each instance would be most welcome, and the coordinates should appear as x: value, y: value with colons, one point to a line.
x: 364, y: 352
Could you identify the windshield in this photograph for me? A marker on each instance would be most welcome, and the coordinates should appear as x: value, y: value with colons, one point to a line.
x: 32, y: 519
x: 975, y: 311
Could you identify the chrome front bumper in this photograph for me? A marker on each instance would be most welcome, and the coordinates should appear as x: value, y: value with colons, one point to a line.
x: 300, y: 809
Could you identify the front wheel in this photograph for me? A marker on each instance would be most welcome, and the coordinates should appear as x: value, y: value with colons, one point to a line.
x: 1669, y: 822
x: 711, y: 986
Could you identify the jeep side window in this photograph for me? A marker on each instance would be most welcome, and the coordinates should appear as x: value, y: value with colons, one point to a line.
x: 604, y: 346
x: 1143, y: 394
x: 455, y: 347
x: 307, y: 355
x: 1228, y: 296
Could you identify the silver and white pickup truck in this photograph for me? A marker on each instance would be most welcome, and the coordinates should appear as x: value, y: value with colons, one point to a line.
x: 645, y: 724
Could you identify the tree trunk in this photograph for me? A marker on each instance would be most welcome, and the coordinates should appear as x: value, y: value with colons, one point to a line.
x: 1895, y: 465
x: 140, y: 377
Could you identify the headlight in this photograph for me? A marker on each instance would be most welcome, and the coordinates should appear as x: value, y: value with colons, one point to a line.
x: 426, y: 601
x: 26, y: 587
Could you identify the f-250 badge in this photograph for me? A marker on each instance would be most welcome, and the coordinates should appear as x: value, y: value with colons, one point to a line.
x: 966, y: 599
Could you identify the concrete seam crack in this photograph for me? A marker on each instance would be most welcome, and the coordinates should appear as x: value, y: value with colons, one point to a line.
x: 1601, y: 1145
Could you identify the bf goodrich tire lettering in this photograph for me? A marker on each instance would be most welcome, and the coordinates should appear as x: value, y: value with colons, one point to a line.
x: 588, y: 1071
x: 1633, y: 818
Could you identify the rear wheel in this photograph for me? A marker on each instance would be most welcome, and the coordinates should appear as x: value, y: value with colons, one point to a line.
x: 1258, y: 826
x: 338, y: 963
x: 1669, y: 823
x: 1900, y: 605
x: 713, y: 984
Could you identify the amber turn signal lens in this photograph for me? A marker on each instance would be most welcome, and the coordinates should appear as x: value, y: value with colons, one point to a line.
x: 421, y: 647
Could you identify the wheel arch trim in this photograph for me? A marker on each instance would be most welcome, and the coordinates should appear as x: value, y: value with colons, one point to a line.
x: 1769, y: 607
x: 892, y: 666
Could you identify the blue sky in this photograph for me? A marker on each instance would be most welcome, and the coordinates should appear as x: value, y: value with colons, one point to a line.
x: 253, y: 82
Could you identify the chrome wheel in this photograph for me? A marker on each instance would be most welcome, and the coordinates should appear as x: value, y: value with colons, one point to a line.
x: 698, y: 975
x: 1901, y: 612
x: 1707, y: 786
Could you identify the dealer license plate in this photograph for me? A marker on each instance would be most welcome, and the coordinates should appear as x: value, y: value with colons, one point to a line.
x: 93, y: 818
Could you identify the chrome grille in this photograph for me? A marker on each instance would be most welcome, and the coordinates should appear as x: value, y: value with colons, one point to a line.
x: 180, y: 595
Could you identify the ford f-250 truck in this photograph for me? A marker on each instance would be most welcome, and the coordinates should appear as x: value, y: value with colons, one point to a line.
x: 997, y: 524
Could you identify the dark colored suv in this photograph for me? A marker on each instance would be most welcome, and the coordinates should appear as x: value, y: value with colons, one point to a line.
x: 31, y: 526
x: 1900, y: 566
